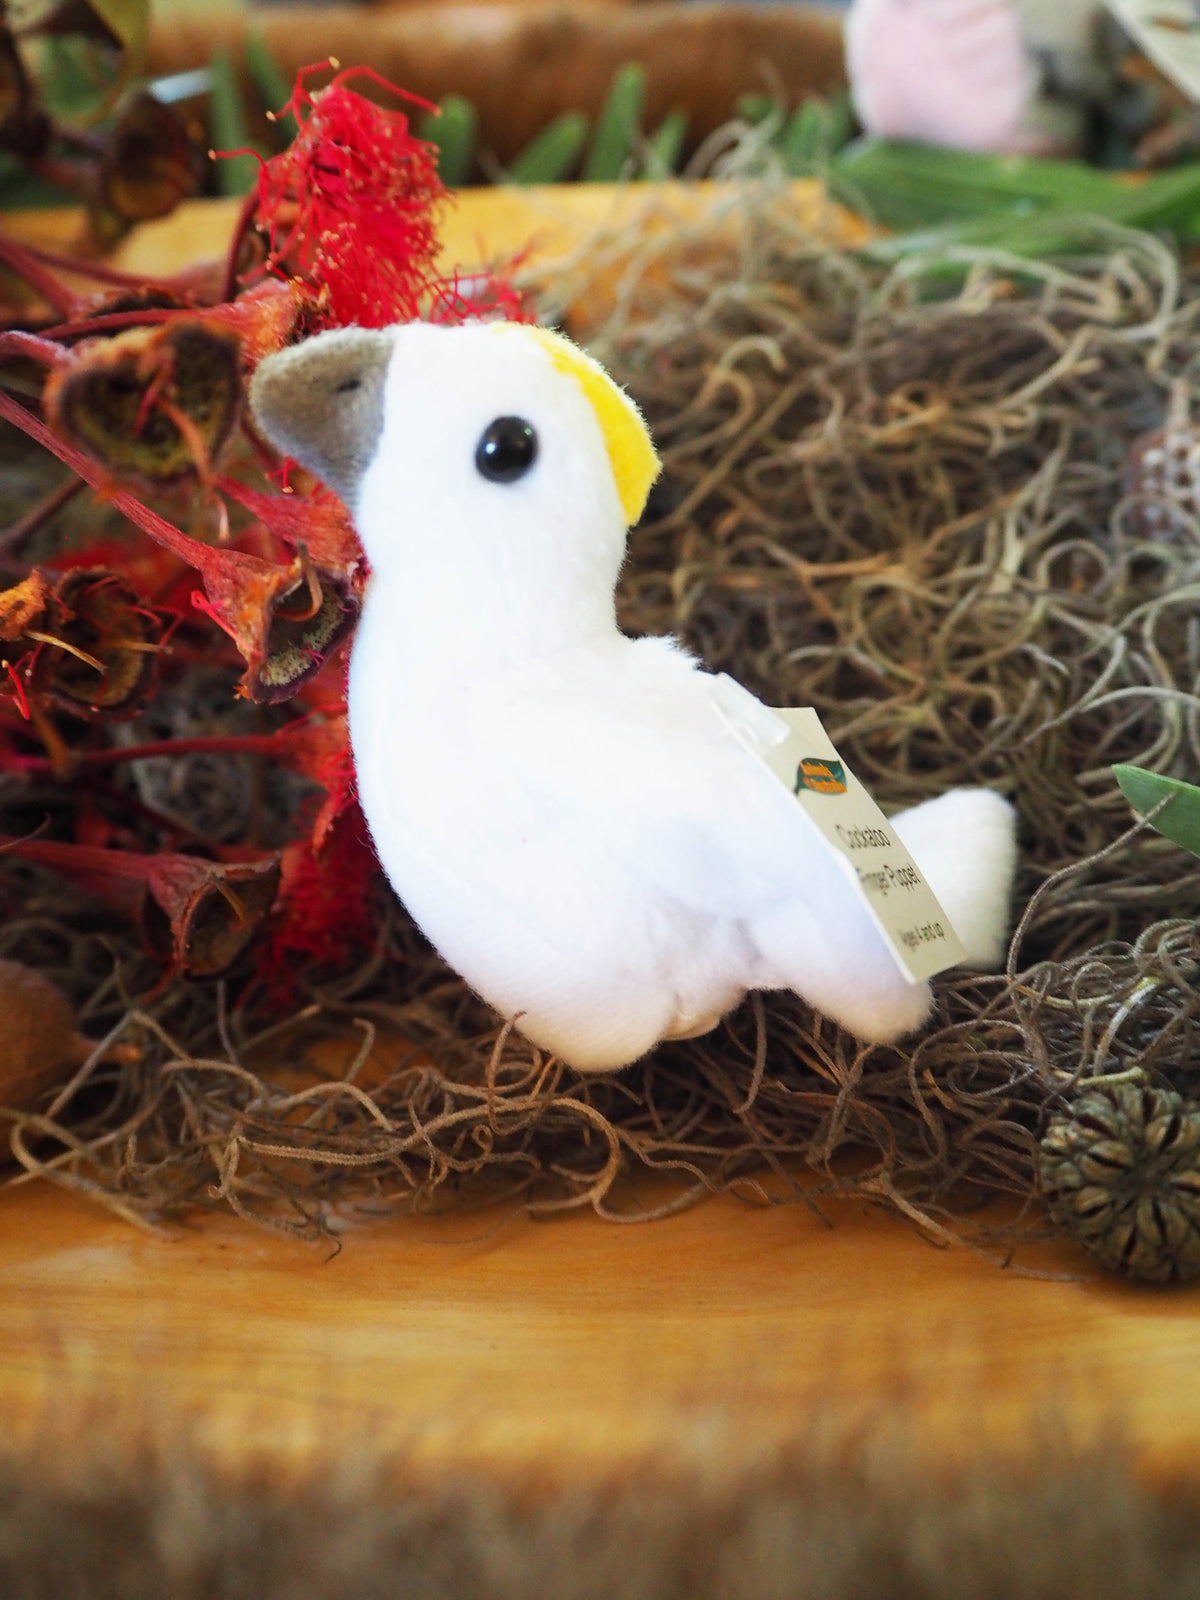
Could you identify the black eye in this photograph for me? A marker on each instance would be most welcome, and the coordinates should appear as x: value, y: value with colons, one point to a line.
x: 507, y: 450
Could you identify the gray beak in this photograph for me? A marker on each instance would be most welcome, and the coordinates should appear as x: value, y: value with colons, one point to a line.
x: 321, y: 402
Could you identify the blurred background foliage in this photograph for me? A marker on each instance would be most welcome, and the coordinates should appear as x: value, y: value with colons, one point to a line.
x: 118, y: 105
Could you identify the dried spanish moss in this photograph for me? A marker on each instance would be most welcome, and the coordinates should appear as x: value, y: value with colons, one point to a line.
x: 896, y: 492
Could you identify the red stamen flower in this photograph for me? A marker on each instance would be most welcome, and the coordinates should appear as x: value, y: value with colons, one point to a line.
x: 352, y: 203
x: 326, y: 903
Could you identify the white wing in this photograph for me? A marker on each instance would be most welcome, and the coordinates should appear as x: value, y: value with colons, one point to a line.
x: 634, y: 749
x: 649, y: 767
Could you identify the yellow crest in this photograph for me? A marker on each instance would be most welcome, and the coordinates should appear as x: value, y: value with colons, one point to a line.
x: 631, y: 454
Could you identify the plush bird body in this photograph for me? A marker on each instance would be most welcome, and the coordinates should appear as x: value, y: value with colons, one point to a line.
x: 565, y: 811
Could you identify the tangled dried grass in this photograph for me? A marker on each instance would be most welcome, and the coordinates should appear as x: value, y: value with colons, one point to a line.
x: 897, y: 492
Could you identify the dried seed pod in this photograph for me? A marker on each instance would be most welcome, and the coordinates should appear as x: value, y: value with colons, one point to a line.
x: 23, y: 607
x: 117, y: 302
x: 153, y: 404
x: 317, y: 520
x: 194, y: 914
x: 286, y: 621
x: 1120, y: 1171
x: 98, y: 653
x: 39, y: 1047
x: 305, y: 628
x: 267, y: 317
x: 25, y: 128
x: 200, y: 916
x: 147, y: 166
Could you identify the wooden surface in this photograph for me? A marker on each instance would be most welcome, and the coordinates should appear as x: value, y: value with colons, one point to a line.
x: 576, y: 1342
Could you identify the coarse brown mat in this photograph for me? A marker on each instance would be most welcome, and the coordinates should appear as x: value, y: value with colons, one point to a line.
x: 901, y: 493
x: 840, y: 1514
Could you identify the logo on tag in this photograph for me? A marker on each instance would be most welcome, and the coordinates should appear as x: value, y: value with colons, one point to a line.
x: 822, y: 777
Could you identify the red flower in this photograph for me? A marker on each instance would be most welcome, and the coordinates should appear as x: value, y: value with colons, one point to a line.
x: 352, y: 204
x: 325, y: 915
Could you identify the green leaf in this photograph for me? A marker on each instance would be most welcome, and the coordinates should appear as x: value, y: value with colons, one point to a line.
x: 1179, y: 820
x: 663, y: 152
x: 906, y: 185
x: 270, y: 84
x: 1168, y: 199
x: 814, y: 134
x: 550, y: 156
x: 619, y: 127
x: 452, y: 129
x: 124, y: 22
x: 805, y: 142
x: 76, y: 77
x: 236, y: 174
x: 129, y: 23
x: 757, y: 108
x: 841, y: 121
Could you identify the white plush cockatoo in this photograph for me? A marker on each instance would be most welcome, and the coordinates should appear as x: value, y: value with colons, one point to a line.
x: 562, y: 809
x: 950, y: 72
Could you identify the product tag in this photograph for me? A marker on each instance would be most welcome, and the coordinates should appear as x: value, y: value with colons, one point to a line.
x: 796, y: 748
x: 1169, y: 33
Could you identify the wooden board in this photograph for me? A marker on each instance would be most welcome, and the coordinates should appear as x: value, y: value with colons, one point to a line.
x: 501, y: 1341
x: 576, y: 1342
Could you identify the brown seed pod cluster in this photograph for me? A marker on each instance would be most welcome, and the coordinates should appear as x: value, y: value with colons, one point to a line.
x: 1120, y: 1171
x: 194, y: 915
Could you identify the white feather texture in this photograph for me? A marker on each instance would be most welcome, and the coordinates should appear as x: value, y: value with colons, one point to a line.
x: 561, y: 808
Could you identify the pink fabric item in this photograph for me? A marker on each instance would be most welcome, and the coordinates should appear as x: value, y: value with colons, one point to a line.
x: 952, y: 72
